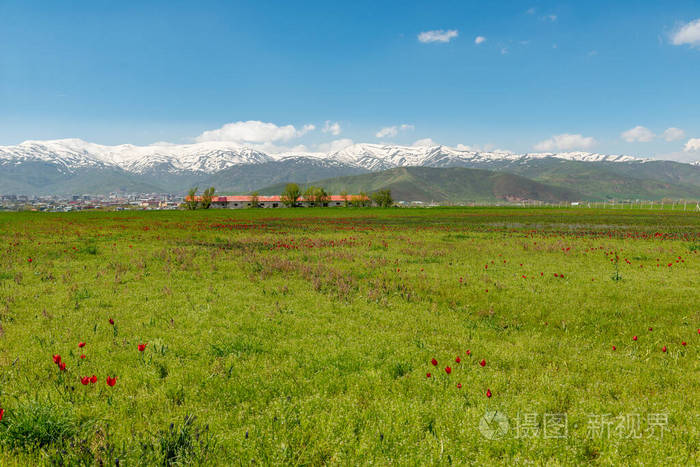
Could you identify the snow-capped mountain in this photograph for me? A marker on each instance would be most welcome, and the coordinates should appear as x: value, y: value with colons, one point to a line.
x: 75, y: 166
x: 212, y: 157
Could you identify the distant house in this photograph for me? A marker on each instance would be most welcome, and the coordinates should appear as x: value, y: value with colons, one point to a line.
x: 240, y: 202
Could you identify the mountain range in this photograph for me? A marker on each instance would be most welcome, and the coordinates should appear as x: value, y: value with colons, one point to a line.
x: 73, y: 166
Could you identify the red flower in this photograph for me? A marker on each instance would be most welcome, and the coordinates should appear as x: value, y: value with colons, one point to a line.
x: 29, y: 260
x: 457, y: 360
x: 57, y: 359
x: 111, y: 321
x: 663, y: 349
x: 469, y: 352
x: 434, y: 362
x: 634, y: 338
x: 82, y: 356
x: 448, y: 370
x: 113, y: 381
x: 142, y: 347
x: 2, y: 412
x: 62, y: 366
x: 459, y: 385
x: 683, y: 343
x: 85, y: 380
x: 482, y: 362
x: 427, y: 375
x: 488, y: 393
x: 81, y: 345
x: 651, y: 329
x: 614, y: 348
x: 93, y: 379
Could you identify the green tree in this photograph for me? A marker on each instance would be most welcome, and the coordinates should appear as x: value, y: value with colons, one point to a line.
x: 191, y: 199
x: 344, y: 195
x: 383, y: 198
x: 291, y: 195
x: 254, y: 200
x: 310, y: 195
x: 207, y: 196
x: 321, y: 197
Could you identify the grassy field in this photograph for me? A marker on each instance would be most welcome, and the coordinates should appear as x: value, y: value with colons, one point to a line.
x: 306, y: 336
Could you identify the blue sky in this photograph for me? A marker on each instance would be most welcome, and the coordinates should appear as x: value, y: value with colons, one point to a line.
x: 548, y: 75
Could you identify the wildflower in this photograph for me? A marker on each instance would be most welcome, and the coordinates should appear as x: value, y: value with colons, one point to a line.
x: 62, y: 366
x: 84, y: 380
x: 634, y: 338
x: 448, y: 370
x: 29, y: 260
x: 482, y: 362
x: 457, y: 360
x: 111, y: 381
x: 111, y: 321
x: 57, y: 359
x: 434, y: 362
x: 488, y: 393
x: 651, y: 329
x: 614, y: 348
x: 93, y: 379
x: 663, y: 349
x: 469, y: 352
x: 459, y: 385
x: 427, y: 375
x: 2, y: 412
x: 82, y: 356
x: 683, y: 343
x: 142, y: 347
x: 81, y: 345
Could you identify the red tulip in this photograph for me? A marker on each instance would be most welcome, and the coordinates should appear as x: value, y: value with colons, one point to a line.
x: 614, y: 348
x: 111, y: 321
x: 482, y: 362
x: 82, y: 356
x: 457, y: 360
x: 427, y: 375
x: 651, y: 329
x: 448, y: 370
x: 469, y: 352
x: 62, y: 366
x: 81, y: 345
x: 634, y: 338
x: 29, y: 260
x: 57, y: 359
x: 683, y: 343
x: 434, y: 362
x: 488, y: 393
x: 2, y: 412
x: 111, y: 381
x: 459, y: 385
x: 93, y: 379
x: 85, y: 380
x: 142, y: 347
x: 663, y: 349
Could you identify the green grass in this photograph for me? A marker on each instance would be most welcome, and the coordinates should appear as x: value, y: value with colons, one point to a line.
x: 303, y: 336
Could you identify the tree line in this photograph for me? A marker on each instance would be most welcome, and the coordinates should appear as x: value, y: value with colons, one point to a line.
x: 314, y: 196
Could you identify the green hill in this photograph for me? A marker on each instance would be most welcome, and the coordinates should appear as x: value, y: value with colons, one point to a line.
x: 444, y: 185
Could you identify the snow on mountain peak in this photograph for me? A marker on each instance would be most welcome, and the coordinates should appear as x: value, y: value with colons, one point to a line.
x: 214, y: 156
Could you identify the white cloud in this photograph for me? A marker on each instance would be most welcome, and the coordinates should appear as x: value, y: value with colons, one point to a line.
x: 479, y: 40
x: 638, y: 134
x: 253, y: 131
x: 688, y: 34
x: 439, y: 35
x: 332, y: 128
x: 565, y: 142
x: 504, y: 50
x: 425, y: 142
x: 693, y: 145
x: 336, y: 145
x: 392, y: 131
x: 551, y: 18
x: 530, y: 11
x: 672, y: 134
